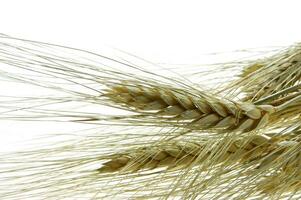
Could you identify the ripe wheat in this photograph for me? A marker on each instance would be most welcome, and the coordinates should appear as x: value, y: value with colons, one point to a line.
x: 180, y: 155
x: 160, y: 142
x: 203, y: 110
x: 270, y: 75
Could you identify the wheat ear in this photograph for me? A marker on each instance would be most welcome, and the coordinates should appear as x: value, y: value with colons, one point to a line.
x: 180, y: 155
x: 270, y: 75
x: 205, y: 111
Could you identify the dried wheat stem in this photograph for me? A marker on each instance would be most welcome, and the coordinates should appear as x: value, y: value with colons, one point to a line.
x: 179, y: 155
x: 203, y: 110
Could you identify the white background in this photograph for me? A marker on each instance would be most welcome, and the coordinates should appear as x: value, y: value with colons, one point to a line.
x: 167, y: 31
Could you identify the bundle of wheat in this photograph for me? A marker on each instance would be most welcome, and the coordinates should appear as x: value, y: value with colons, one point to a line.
x: 153, y: 136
